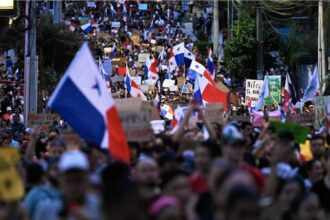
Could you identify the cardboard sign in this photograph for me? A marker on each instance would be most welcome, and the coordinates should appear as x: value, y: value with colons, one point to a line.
x: 11, y: 184
x: 214, y: 112
x: 142, y: 57
x: 115, y: 79
x: 307, y: 118
x: 180, y: 81
x: 252, y: 91
x: 320, y: 111
x: 299, y: 132
x: 129, y: 104
x: 234, y: 99
x: 43, y: 120
x: 168, y: 83
x: 275, y: 90
x: 136, y: 125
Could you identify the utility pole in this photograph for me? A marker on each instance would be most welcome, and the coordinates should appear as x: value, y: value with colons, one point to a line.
x: 57, y: 18
x: 216, y: 29
x: 30, y: 61
x: 260, y: 55
x: 322, y: 66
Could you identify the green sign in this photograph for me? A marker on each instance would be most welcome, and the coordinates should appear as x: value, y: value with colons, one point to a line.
x: 299, y: 132
x: 275, y: 90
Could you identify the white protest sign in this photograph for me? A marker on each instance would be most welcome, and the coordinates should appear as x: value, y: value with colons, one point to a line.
x: 252, y: 91
x: 168, y: 83
x: 320, y: 110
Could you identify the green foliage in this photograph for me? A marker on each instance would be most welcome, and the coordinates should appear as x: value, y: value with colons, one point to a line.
x: 202, y: 46
x: 241, y: 48
x: 300, y: 43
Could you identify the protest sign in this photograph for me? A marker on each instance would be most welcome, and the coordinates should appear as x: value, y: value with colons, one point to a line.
x: 115, y: 24
x: 252, y: 91
x: 258, y: 117
x: 118, y: 61
x: 136, y: 125
x: 157, y: 126
x: 214, y: 112
x: 42, y: 120
x: 320, y: 111
x: 115, y: 79
x: 11, y: 184
x: 143, y: 6
x: 173, y: 88
x: 275, y: 90
x: 299, y: 132
x: 142, y: 57
x: 91, y: 4
x: 129, y: 104
x: 168, y: 82
x: 240, y: 118
x: 307, y: 118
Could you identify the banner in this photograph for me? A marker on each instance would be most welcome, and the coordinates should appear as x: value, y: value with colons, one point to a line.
x: 320, y: 110
x: 252, y: 91
x: 307, y: 118
x: 275, y: 89
x: 42, y: 120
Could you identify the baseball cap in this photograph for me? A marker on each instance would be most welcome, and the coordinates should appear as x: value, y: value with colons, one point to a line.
x: 73, y: 159
x: 8, y: 108
x: 231, y: 135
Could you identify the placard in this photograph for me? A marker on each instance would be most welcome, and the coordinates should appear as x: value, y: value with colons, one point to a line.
x: 275, y: 90
x: 115, y: 24
x: 42, y: 120
x: 143, y: 57
x: 129, y: 104
x: 299, y: 132
x: 252, y: 91
x: 214, y: 112
x: 307, y: 118
x: 320, y: 111
x: 11, y: 184
x: 143, y: 6
x: 136, y: 125
x: 168, y: 83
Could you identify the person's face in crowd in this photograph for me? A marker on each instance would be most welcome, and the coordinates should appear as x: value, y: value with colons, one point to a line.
x: 52, y: 134
x: 147, y: 172
x: 16, y: 111
x: 178, y: 187
x: 310, y: 208
x: 315, y: 174
x: 133, y: 154
x: 248, y: 130
x: 55, y: 150
x: 290, y: 191
x: 170, y: 213
x: 317, y: 148
x: 6, y: 142
x: 245, y: 209
x: 202, y: 159
x: 234, y: 152
x: 74, y: 185
x: 235, y: 179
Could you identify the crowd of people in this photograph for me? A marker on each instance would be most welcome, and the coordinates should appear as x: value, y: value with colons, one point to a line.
x: 237, y: 171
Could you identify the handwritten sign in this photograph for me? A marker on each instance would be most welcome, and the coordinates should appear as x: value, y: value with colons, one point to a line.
x: 11, y: 184
x: 214, y: 112
x: 43, y: 120
x: 307, y: 118
x: 252, y: 91
x: 136, y: 125
x: 320, y: 111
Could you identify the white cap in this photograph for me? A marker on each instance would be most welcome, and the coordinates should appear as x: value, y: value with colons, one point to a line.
x: 73, y: 159
x: 8, y: 108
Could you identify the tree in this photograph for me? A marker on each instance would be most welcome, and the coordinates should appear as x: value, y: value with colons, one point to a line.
x: 240, y: 48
